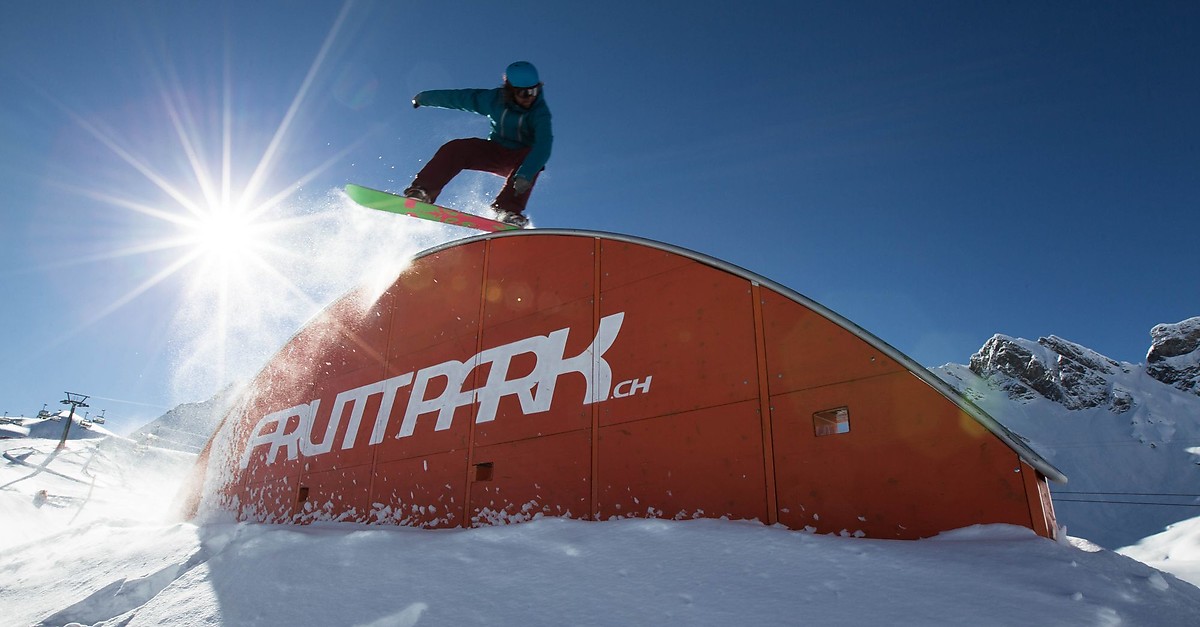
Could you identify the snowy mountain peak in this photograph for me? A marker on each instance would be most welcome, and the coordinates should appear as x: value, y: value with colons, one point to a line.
x: 1053, y: 368
x: 1174, y: 356
x: 187, y: 427
x: 1078, y: 377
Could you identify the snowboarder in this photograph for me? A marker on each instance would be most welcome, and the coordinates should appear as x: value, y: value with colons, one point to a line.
x: 517, y: 147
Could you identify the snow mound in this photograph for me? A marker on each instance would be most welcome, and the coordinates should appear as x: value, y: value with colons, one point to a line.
x: 43, y: 492
x: 557, y: 571
x: 1177, y: 549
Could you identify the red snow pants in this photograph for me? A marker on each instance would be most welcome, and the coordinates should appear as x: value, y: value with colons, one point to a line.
x: 481, y: 155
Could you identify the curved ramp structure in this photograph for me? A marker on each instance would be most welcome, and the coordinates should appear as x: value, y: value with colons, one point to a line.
x: 595, y: 376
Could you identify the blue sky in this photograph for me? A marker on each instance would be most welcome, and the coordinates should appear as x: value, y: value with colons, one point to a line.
x: 936, y: 172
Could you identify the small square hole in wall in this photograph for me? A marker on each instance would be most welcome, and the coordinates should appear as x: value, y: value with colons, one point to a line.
x: 831, y: 421
x: 302, y: 494
x: 483, y: 471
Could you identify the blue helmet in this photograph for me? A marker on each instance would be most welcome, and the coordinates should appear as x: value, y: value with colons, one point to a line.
x: 521, y: 74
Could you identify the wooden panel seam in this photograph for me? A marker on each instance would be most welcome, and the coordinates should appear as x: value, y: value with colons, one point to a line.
x: 479, y: 324
x: 594, y: 480
x: 389, y: 311
x: 764, y: 405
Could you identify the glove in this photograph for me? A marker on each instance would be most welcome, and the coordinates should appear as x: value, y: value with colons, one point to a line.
x: 521, y: 185
x: 415, y: 103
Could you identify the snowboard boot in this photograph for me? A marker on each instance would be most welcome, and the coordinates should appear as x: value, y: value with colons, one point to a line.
x: 418, y: 193
x: 515, y: 219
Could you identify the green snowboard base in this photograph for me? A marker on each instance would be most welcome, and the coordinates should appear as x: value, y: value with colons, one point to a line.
x: 395, y: 203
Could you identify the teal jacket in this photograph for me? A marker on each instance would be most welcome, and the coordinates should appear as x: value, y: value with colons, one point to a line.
x: 512, y: 126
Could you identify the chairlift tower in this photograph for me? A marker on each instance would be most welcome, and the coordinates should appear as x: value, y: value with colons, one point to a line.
x: 75, y: 401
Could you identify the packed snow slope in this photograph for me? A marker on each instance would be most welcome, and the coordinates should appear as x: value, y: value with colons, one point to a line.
x: 1126, y: 435
x: 91, y: 481
x: 95, y: 545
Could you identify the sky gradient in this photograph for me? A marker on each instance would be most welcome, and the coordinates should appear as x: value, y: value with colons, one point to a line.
x: 936, y: 172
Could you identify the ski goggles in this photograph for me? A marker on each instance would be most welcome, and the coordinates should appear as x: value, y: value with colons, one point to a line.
x: 527, y: 92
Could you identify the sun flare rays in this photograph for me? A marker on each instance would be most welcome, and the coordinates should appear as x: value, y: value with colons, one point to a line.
x: 213, y: 222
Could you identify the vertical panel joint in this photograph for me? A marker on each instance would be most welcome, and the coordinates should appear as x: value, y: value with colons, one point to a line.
x: 764, y: 405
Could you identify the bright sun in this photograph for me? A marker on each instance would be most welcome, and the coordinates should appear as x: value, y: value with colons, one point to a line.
x: 224, y: 235
x: 235, y: 234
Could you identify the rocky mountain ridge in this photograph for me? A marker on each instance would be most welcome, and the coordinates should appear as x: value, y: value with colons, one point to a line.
x: 1174, y: 358
x: 1077, y: 377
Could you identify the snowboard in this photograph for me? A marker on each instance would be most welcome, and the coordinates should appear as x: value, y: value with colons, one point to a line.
x: 395, y: 203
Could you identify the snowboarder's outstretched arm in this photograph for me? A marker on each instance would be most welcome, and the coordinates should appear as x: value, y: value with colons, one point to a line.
x: 472, y: 100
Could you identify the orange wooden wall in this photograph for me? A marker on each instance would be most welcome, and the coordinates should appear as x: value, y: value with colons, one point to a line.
x: 715, y: 379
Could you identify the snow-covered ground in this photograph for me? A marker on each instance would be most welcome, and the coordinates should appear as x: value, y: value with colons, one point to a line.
x: 99, y: 480
x: 104, y: 550
x: 1176, y: 550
